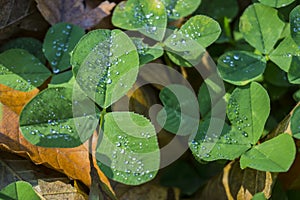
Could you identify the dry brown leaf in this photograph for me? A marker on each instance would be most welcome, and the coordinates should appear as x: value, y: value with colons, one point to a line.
x: 57, y: 190
x: 234, y: 183
x: 14, y: 11
x: 14, y: 99
x: 48, y: 184
x: 13, y: 168
x: 17, y: 16
x: 74, y: 162
x: 73, y: 11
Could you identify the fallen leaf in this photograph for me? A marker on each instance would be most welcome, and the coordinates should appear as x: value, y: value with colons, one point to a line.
x: 14, y: 11
x: 57, y: 190
x: 45, y: 181
x: 15, y: 168
x: 74, y: 11
x: 74, y: 162
x: 234, y: 183
x: 17, y: 16
x: 15, y: 99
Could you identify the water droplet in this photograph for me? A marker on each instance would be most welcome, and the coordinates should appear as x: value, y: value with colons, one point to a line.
x: 49, y: 137
x: 236, y: 57
x: 56, y: 70
x: 118, y: 144
x: 245, y: 134
x: 32, y: 132
x: 58, y: 54
x: 68, y: 26
x: 149, y: 15
x: 54, y: 63
x: 109, y: 81
x: 206, y: 155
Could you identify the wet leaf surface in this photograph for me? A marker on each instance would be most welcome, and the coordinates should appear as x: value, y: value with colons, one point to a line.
x: 128, y: 150
x: 21, y: 70
x: 240, y: 67
x: 146, y: 17
x: 100, y: 65
x: 74, y: 162
x: 59, y: 41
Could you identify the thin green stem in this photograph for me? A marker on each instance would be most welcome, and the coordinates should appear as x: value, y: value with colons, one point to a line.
x: 103, y: 112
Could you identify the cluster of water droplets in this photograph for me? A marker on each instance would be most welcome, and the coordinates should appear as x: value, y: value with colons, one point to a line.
x: 56, y: 130
x: 59, y: 46
x: 232, y: 60
x: 4, y: 70
x: 148, y: 20
x: 178, y: 40
x: 170, y: 7
x: 52, y: 125
x: 127, y: 159
x: 240, y: 121
x: 201, y: 146
x: 142, y: 48
x: 100, y: 67
x: 296, y: 24
x: 192, y: 31
x: 23, y: 83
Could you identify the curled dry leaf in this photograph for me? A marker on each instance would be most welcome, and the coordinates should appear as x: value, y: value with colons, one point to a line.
x: 74, y: 11
x: 74, y: 162
x: 234, y: 183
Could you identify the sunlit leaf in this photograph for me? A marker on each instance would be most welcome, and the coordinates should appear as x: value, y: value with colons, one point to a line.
x: 105, y: 64
x: 128, y: 150
x: 284, y: 53
x: 248, y: 110
x: 257, y: 29
x: 275, y: 155
x: 209, y: 144
x: 180, y: 8
x: 277, y: 3
x: 148, y: 17
x: 186, y: 45
x: 52, y: 119
x: 18, y: 190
